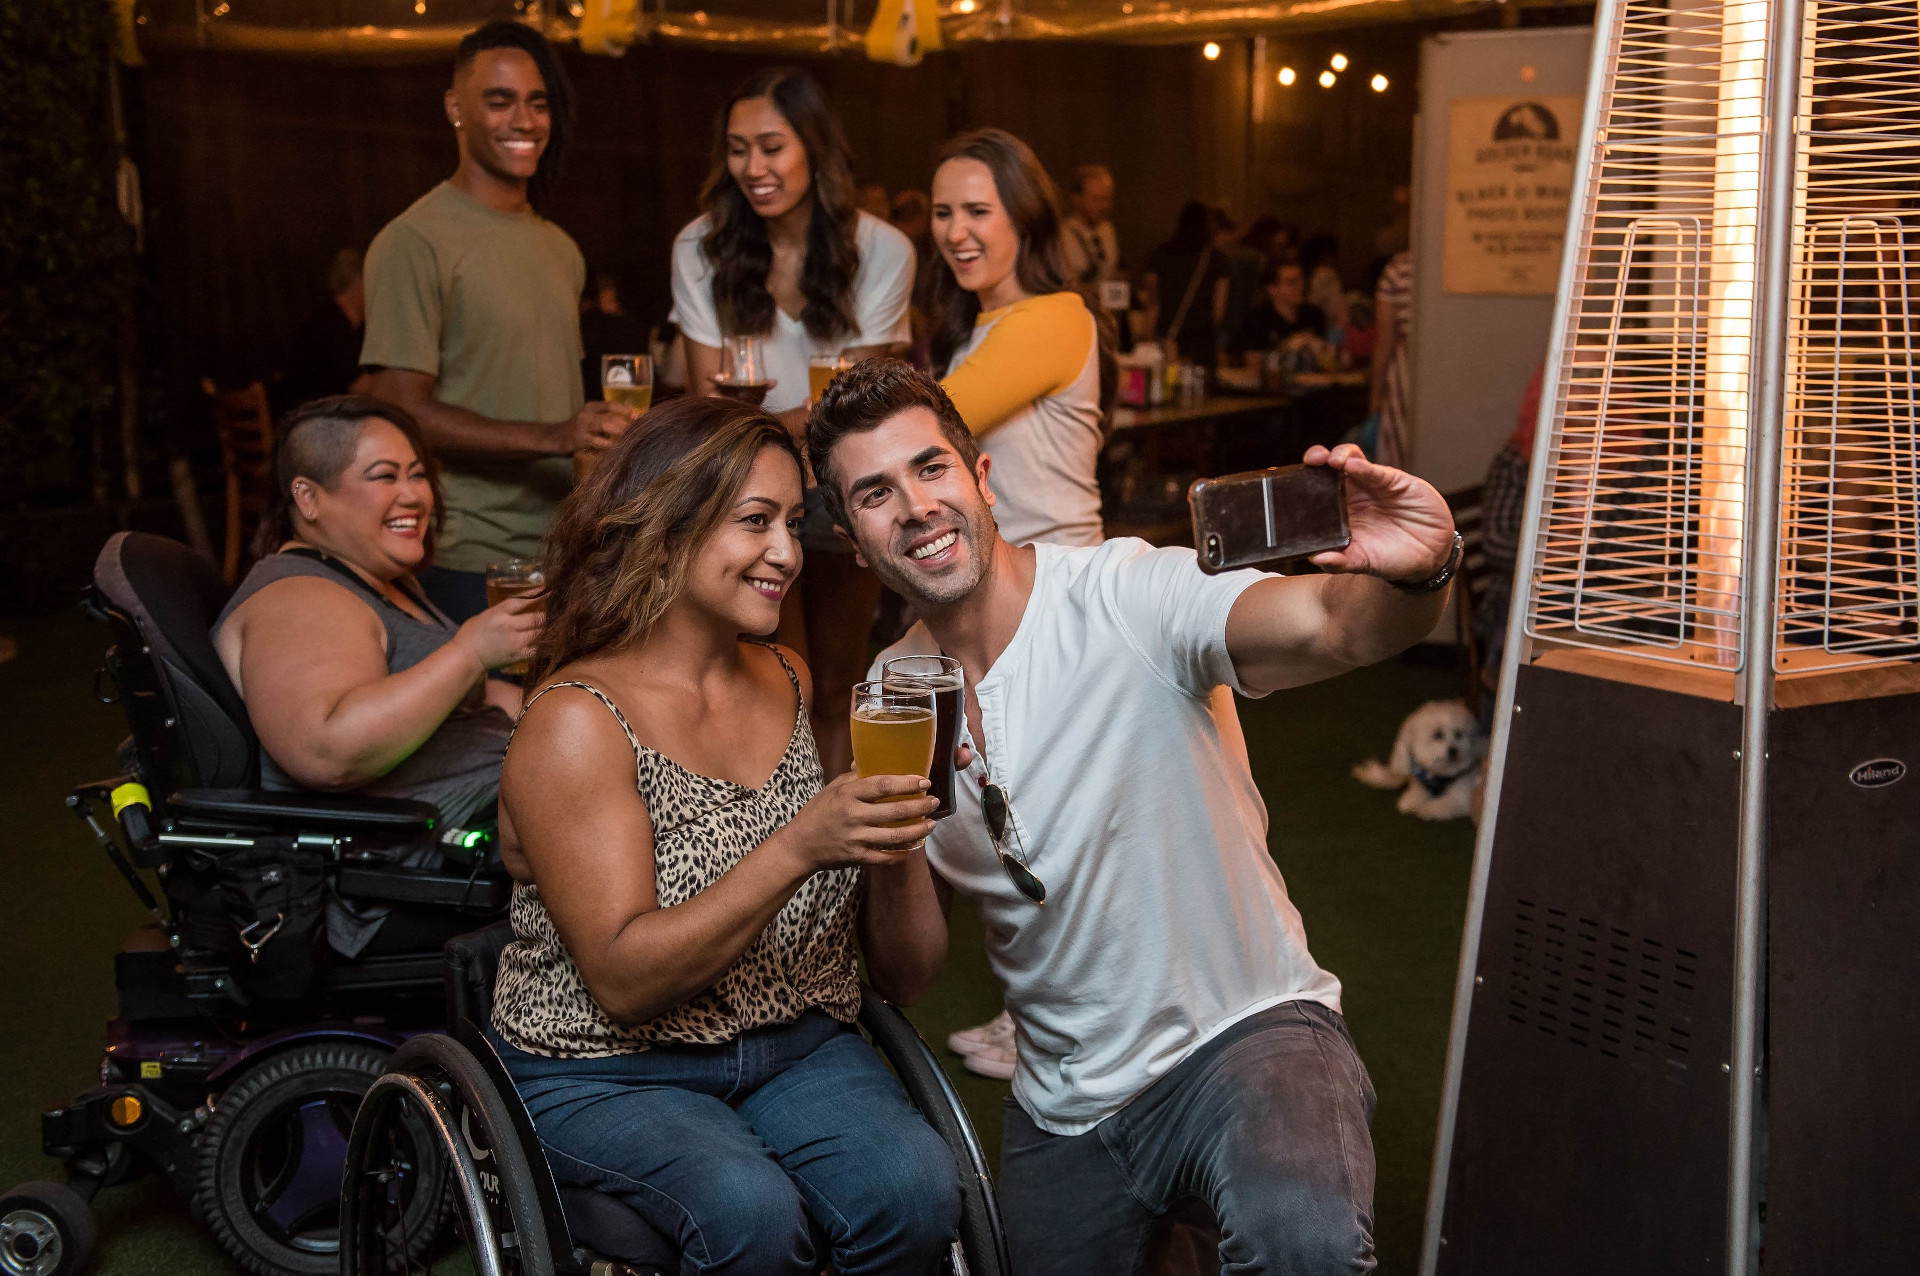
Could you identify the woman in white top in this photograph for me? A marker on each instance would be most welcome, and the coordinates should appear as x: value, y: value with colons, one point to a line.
x: 1018, y: 351
x: 781, y: 252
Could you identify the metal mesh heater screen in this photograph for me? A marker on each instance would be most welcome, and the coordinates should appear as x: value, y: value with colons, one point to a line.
x: 1849, y: 560
x: 1640, y: 545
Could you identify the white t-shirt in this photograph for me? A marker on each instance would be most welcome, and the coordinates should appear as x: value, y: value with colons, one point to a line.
x: 882, y: 287
x: 1166, y: 919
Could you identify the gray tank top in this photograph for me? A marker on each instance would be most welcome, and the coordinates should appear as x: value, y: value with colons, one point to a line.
x: 458, y: 766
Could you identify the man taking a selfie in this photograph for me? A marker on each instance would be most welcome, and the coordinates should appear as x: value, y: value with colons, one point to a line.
x: 1176, y: 1040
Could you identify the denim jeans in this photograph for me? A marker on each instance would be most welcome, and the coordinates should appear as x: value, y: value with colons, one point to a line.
x: 1267, y: 1124
x: 756, y: 1155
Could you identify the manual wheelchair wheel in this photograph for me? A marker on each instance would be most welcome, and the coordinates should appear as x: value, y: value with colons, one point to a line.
x: 46, y: 1229
x: 273, y: 1153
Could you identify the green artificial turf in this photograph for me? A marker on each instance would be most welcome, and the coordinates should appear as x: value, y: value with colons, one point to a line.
x: 1382, y: 896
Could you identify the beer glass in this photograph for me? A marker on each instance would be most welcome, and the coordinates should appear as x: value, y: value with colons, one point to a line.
x: 743, y: 370
x: 516, y: 578
x: 944, y: 678
x: 892, y: 733
x: 626, y: 379
x: 821, y: 370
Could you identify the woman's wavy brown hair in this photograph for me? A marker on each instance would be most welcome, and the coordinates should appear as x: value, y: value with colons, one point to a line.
x: 618, y: 551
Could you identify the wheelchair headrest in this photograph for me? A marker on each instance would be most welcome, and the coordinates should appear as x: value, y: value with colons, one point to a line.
x: 173, y: 596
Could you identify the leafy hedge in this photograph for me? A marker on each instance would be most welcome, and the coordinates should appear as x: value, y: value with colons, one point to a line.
x: 65, y: 253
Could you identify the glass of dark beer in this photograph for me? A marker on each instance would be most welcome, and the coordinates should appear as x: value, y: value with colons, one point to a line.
x: 943, y: 677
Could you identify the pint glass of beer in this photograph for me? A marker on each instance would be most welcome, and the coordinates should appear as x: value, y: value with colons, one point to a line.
x: 943, y: 677
x: 626, y: 379
x: 821, y: 370
x: 892, y: 733
x: 515, y: 578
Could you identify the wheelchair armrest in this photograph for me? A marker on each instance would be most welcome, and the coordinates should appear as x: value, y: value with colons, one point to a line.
x: 317, y: 810
x: 420, y: 886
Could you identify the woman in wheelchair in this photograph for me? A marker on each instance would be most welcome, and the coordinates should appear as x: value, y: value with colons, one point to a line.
x: 677, y: 1007
x: 353, y: 680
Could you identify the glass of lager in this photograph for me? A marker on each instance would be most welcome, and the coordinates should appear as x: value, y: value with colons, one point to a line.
x: 626, y: 379
x: 942, y: 676
x: 515, y: 578
x: 821, y: 370
x: 892, y: 733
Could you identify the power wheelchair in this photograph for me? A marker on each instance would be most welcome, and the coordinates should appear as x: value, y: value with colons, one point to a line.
x: 242, y: 1043
x: 512, y: 1217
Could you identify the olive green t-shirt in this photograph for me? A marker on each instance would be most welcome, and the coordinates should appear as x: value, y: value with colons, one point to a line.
x: 489, y: 303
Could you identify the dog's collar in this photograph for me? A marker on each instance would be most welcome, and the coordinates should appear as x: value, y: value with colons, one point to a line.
x: 1435, y: 785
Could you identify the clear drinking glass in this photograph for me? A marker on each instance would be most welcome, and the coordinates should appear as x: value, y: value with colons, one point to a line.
x: 626, y: 379
x: 516, y: 578
x: 821, y: 370
x: 892, y: 733
x: 743, y: 370
x: 946, y: 681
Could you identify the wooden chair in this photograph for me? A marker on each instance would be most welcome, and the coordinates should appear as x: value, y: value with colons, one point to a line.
x: 244, y: 422
x: 1469, y: 586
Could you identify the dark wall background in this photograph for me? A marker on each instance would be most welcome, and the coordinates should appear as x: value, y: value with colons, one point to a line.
x: 257, y: 170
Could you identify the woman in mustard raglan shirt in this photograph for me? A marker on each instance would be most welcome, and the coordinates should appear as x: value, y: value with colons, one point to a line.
x: 1016, y: 349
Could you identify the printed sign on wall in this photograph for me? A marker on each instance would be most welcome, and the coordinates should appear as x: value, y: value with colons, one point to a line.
x: 1509, y: 178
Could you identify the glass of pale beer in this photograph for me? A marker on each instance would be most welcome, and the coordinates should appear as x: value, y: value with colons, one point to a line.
x: 626, y: 379
x: 892, y: 733
x: 515, y: 578
x: 821, y: 370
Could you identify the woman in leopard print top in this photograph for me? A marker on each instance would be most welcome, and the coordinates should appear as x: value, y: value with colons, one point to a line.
x: 676, y: 1008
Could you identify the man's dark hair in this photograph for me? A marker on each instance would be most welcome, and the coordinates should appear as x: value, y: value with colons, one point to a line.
x: 503, y: 33
x: 867, y: 396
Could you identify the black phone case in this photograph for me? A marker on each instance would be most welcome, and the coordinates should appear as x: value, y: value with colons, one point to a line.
x: 1268, y: 516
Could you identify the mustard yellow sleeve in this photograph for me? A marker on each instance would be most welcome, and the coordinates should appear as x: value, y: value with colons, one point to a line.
x: 1035, y: 349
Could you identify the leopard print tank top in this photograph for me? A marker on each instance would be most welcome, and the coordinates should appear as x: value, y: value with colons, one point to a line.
x: 702, y: 826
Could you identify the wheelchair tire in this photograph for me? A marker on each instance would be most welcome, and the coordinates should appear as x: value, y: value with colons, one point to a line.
x: 488, y: 1175
x: 46, y: 1229
x: 272, y: 1155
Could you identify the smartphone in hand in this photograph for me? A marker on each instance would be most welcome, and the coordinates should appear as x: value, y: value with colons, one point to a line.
x: 1264, y: 517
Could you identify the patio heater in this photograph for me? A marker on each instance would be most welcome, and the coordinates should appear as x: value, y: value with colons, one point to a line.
x: 1688, y: 1012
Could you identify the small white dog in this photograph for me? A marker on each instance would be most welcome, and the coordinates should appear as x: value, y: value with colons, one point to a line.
x: 1436, y: 758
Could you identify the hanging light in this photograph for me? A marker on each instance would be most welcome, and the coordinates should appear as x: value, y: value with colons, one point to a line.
x: 1327, y: 78
x: 1379, y: 83
x: 1288, y: 75
x: 965, y: 6
x: 1338, y: 61
x: 1210, y: 51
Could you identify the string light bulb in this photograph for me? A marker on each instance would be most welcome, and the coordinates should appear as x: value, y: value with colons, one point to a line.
x: 965, y: 6
x: 1288, y: 75
x: 1379, y: 83
x: 1210, y: 51
x: 1327, y: 78
x: 1338, y: 61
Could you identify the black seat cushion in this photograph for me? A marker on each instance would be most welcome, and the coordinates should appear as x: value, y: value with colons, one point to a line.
x: 173, y: 596
x: 609, y: 1226
x: 322, y: 810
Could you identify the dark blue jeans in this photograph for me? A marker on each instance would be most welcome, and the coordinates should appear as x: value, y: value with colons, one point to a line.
x: 746, y: 1154
x: 1268, y: 1124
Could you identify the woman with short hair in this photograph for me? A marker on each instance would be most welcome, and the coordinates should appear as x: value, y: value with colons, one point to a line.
x: 353, y: 680
x: 677, y: 1006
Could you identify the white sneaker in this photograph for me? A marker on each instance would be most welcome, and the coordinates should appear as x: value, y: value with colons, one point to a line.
x: 994, y: 1061
x: 996, y: 1032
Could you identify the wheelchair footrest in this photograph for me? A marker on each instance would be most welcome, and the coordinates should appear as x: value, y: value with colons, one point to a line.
x: 415, y: 886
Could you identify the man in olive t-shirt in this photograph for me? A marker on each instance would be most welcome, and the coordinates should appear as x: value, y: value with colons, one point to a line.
x: 473, y: 320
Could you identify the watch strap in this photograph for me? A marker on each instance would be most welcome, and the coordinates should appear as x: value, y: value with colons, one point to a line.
x: 1440, y: 579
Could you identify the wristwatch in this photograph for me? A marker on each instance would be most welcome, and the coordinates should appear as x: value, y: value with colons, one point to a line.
x: 1438, y: 581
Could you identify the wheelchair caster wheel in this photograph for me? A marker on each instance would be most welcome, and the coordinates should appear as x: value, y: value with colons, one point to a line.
x: 46, y: 1229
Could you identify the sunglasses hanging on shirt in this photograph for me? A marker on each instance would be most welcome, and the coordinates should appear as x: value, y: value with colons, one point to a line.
x: 1006, y: 842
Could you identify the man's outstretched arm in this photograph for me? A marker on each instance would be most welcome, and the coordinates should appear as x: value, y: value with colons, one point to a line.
x: 1289, y: 631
